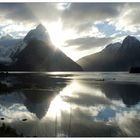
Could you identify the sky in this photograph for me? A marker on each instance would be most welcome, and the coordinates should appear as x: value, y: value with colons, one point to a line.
x: 78, y: 29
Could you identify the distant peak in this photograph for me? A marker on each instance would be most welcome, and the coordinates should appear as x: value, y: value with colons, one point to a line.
x: 129, y: 43
x: 41, y: 28
x: 116, y: 44
x: 130, y: 38
x: 6, y: 37
x: 113, y: 46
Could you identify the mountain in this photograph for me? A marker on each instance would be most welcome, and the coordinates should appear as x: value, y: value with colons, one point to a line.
x: 112, y: 48
x: 115, y: 57
x: 8, y: 46
x: 39, y: 33
x: 38, y: 56
x: 6, y: 37
x: 130, y: 43
x: 36, y: 53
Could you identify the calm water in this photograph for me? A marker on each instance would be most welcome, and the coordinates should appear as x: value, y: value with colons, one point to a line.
x: 71, y: 104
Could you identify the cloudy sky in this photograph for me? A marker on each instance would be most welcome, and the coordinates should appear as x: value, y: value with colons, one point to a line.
x: 78, y: 29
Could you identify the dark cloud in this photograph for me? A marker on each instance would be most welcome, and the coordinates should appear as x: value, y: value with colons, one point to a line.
x: 75, y: 13
x: 85, y: 27
x: 128, y: 18
x: 29, y: 12
x: 89, y: 42
x: 79, y: 13
x: 16, y: 12
x: 45, y: 11
x: 21, y: 13
x: 80, y: 16
x: 132, y: 15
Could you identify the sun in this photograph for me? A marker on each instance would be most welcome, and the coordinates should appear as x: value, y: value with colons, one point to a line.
x: 55, y: 31
x: 59, y: 36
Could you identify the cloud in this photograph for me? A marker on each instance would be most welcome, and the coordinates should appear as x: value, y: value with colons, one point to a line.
x: 19, y: 18
x: 128, y: 122
x: 88, y: 100
x: 82, y: 16
x: 84, y: 27
x: 29, y: 12
x: 45, y: 11
x: 81, y: 12
x: 22, y: 13
x: 89, y: 42
x: 16, y: 11
x: 128, y: 19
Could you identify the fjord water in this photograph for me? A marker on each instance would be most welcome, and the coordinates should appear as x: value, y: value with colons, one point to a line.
x: 71, y: 104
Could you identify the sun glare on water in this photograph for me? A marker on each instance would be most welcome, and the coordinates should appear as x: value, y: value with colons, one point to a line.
x: 59, y: 104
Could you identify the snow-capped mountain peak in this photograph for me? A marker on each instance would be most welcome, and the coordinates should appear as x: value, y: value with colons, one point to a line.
x: 10, y: 47
x: 6, y: 37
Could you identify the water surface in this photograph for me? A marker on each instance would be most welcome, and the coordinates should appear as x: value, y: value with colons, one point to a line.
x: 71, y: 104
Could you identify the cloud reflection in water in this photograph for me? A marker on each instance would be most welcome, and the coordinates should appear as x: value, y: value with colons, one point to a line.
x: 75, y: 108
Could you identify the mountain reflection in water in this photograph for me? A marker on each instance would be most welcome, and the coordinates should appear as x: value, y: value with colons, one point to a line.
x: 71, y: 104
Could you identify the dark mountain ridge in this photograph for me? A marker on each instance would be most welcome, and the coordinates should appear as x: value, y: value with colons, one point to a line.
x: 38, y: 56
x: 115, y: 57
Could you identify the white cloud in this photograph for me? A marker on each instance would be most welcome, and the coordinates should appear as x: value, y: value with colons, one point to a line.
x: 128, y: 19
x: 128, y: 122
x: 89, y: 42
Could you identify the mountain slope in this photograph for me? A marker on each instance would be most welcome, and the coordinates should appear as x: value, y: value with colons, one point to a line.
x: 36, y: 53
x: 38, y: 56
x: 8, y: 46
x: 39, y: 33
x: 115, y: 57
